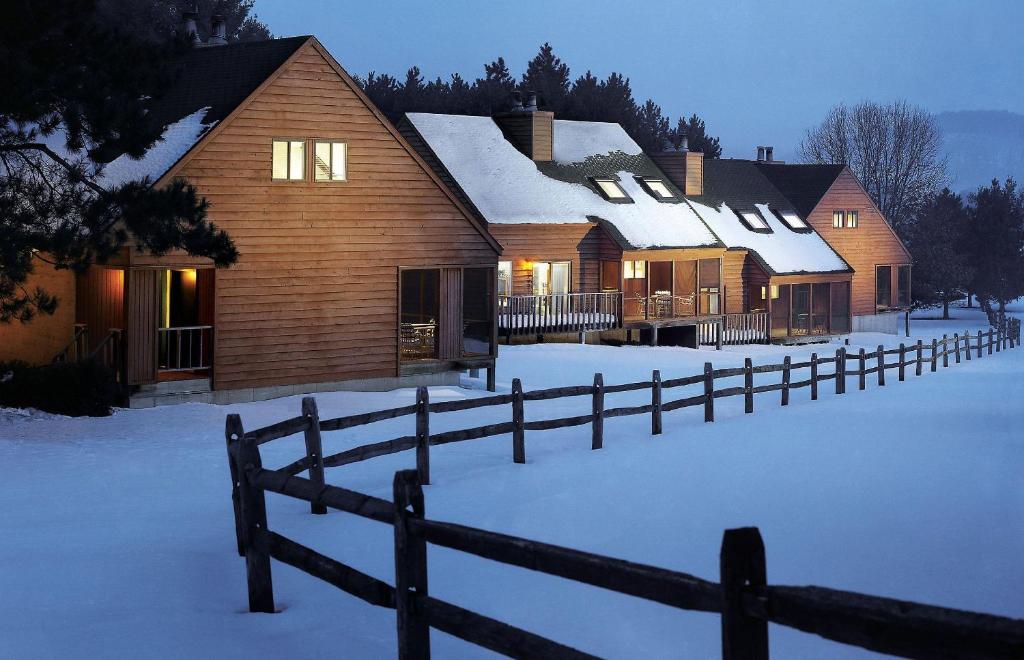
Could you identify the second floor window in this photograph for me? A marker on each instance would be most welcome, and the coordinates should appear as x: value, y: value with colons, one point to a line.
x: 330, y: 161
x: 842, y: 218
x: 289, y: 160
x: 634, y: 270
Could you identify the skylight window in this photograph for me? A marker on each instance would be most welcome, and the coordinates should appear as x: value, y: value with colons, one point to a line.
x: 754, y: 221
x: 611, y: 189
x: 792, y: 220
x: 659, y: 189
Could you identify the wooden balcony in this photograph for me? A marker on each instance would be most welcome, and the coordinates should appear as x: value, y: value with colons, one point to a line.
x: 559, y: 313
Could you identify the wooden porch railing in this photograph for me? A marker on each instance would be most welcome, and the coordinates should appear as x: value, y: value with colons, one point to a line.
x: 559, y: 312
x: 749, y: 328
x: 110, y: 353
x: 186, y: 348
x: 78, y: 348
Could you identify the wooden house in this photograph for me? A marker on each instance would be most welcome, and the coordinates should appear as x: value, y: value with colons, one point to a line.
x: 359, y: 268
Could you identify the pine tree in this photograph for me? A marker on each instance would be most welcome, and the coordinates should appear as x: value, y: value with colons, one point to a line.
x: 941, y: 267
x: 696, y: 135
x: 651, y: 128
x: 72, y: 78
x: 995, y: 244
x: 491, y: 93
x: 547, y: 75
x: 160, y: 21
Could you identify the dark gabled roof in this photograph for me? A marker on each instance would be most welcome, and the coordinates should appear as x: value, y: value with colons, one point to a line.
x: 740, y: 184
x: 803, y: 185
x: 220, y: 77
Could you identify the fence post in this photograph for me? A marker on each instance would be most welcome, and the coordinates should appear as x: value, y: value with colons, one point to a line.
x: 254, y: 522
x: 956, y: 346
x: 935, y: 354
x: 814, y: 376
x: 233, y: 434
x: 597, y: 436
x: 423, y: 434
x: 741, y: 568
x: 920, y: 358
x: 841, y: 370
x: 314, y: 449
x: 656, y: 403
x: 518, y: 432
x: 999, y: 337
x: 786, y: 368
x: 979, y: 343
x: 881, y: 366
x: 906, y: 324
x: 410, y: 568
x: 709, y: 393
x: 903, y: 361
x: 748, y: 385
x: 967, y: 345
x: 719, y: 332
x: 990, y: 341
x: 945, y: 351
x: 862, y: 366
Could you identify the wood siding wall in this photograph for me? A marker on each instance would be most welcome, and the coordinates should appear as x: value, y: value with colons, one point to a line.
x: 450, y: 332
x: 141, y: 303
x: 531, y: 132
x: 733, y: 267
x: 37, y: 341
x: 583, y: 245
x: 314, y: 296
x: 871, y: 243
x: 100, y: 302
x: 683, y: 168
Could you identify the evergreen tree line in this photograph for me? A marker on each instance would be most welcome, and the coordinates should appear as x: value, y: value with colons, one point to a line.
x: 586, y: 98
x: 969, y: 247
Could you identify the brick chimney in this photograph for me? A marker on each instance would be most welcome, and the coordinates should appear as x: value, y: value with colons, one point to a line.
x: 530, y: 130
x: 683, y: 167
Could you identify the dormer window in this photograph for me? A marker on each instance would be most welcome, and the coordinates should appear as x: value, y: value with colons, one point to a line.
x: 612, y: 191
x: 754, y: 221
x: 657, y: 189
x: 792, y: 220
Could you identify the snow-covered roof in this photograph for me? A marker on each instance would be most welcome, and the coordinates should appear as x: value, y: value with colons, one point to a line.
x: 783, y: 250
x: 507, y: 187
x: 176, y: 139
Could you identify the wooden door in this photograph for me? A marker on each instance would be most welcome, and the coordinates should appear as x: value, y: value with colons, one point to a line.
x: 141, y: 310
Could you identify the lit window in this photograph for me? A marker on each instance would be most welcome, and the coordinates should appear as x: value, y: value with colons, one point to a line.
x: 754, y: 221
x: 659, y: 189
x: 837, y: 219
x: 504, y: 278
x: 792, y: 220
x: 289, y: 160
x: 611, y: 189
x: 634, y: 270
x: 774, y: 291
x: 852, y: 219
x: 329, y: 160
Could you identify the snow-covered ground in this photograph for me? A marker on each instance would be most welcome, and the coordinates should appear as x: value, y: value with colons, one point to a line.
x: 116, y: 538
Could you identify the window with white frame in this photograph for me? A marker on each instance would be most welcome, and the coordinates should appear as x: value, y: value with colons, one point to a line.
x: 792, y: 220
x: 611, y: 189
x: 504, y: 278
x: 289, y: 160
x: 754, y: 221
x: 634, y: 270
x: 658, y: 189
x: 330, y: 161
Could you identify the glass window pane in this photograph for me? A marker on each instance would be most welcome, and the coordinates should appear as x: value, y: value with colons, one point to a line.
x: 820, y: 306
x: 296, y: 160
x: 477, y: 311
x: 800, y: 323
x: 280, y: 160
x: 421, y: 303
x: 710, y: 272
x: 640, y: 268
x: 780, y: 312
x: 837, y: 219
x: 339, y: 161
x: 322, y: 161
x: 852, y: 218
x: 560, y: 277
x: 883, y: 287
x: 793, y: 220
x: 903, y: 286
x: 541, y: 278
x: 504, y: 278
x: 611, y: 189
x: 659, y: 188
x: 627, y: 270
x: 754, y: 220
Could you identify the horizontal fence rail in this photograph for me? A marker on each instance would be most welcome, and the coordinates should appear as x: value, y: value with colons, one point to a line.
x: 559, y: 312
x: 744, y: 600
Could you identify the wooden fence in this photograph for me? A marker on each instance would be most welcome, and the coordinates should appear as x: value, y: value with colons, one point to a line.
x: 743, y: 598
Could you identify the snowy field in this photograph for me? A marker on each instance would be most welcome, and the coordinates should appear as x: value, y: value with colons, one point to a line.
x: 116, y: 538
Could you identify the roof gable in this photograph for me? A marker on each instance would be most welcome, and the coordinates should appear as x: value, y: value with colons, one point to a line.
x: 803, y: 185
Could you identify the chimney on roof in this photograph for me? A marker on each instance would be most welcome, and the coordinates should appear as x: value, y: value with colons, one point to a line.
x: 760, y: 154
x: 531, y: 101
x: 530, y: 130
x: 683, y: 167
x: 189, y: 27
x: 769, y: 154
x: 218, y: 31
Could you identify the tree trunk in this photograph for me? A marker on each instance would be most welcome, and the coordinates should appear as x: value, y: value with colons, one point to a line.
x: 969, y: 296
x: 945, y: 309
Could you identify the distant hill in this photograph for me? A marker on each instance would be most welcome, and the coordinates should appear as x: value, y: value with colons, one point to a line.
x: 982, y: 145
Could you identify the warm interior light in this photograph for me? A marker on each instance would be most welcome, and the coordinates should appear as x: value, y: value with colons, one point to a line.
x: 188, y: 276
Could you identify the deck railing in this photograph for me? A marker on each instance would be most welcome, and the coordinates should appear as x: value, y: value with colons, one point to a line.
x: 185, y: 348
x: 559, y: 312
x: 749, y: 328
x: 78, y: 348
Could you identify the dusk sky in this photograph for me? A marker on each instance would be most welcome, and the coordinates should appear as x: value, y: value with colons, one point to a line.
x: 758, y: 72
